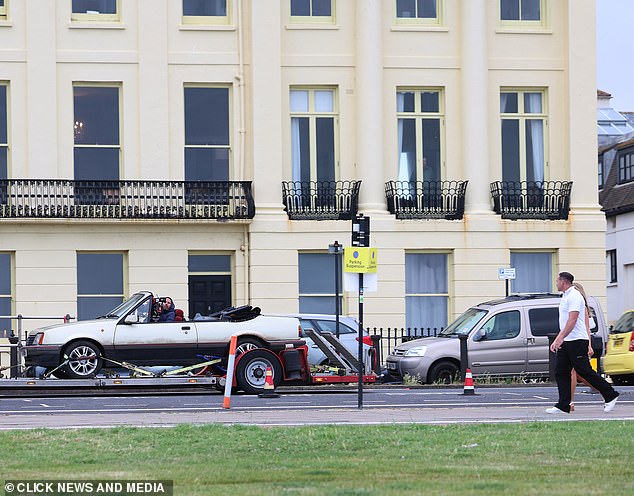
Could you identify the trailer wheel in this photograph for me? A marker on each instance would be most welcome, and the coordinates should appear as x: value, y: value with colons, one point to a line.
x: 84, y: 360
x: 251, y: 371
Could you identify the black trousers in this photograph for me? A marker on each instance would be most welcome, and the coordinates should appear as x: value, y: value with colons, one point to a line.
x: 574, y: 355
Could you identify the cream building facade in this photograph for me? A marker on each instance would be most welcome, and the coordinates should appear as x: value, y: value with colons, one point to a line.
x: 131, y: 108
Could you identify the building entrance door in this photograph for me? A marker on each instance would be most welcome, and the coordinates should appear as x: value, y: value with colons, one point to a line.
x: 208, y: 294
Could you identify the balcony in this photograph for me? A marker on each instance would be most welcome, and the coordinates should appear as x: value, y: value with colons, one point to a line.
x: 545, y: 200
x: 426, y: 199
x: 68, y: 199
x: 321, y: 200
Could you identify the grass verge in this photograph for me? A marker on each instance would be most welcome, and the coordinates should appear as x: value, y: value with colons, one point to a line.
x: 531, y: 458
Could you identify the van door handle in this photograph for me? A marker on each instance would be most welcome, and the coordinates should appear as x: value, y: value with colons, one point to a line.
x: 529, y: 341
x: 186, y: 328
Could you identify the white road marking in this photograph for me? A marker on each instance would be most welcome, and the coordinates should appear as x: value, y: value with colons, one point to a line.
x: 45, y: 405
x: 540, y: 397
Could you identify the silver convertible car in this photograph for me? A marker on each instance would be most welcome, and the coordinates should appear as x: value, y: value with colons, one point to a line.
x: 131, y: 333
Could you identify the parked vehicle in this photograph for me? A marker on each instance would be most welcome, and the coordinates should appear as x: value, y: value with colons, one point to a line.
x: 619, y: 357
x: 132, y: 334
x: 506, y: 337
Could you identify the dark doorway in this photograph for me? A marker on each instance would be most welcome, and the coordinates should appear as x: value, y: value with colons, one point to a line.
x: 208, y: 294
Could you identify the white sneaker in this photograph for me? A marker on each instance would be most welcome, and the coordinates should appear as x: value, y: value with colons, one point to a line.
x: 609, y: 406
x: 555, y: 411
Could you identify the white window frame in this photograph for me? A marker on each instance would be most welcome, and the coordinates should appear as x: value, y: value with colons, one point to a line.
x: 124, y: 269
x: 421, y: 21
x: 210, y: 20
x: 522, y: 24
x: 331, y: 259
x: 4, y: 11
x: 92, y: 18
x: 6, y: 145
x: 10, y: 295
x: 552, y: 254
x: 448, y: 262
x: 311, y: 19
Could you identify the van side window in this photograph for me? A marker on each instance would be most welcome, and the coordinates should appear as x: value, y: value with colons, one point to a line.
x: 544, y: 321
x: 505, y: 325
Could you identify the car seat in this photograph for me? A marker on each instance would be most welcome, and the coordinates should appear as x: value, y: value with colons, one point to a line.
x: 179, y: 315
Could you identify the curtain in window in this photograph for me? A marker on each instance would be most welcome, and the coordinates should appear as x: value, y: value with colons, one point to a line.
x: 533, y: 272
x: 406, y: 150
x: 426, y: 274
x: 534, y: 138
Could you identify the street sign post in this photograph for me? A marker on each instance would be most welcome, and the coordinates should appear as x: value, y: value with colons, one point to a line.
x: 506, y: 273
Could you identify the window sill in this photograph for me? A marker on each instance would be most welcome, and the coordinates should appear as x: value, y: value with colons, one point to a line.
x: 306, y: 27
x: 423, y: 27
x: 206, y: 27
x: 95, y: 25
x: 612, y: 284
x: 527, y: 30
x: 5, y: 23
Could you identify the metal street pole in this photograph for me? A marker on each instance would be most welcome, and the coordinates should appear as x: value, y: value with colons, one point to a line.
x: 360, y: 365
x: 335, y: 249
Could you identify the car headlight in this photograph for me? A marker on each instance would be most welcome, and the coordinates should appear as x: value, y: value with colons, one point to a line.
x: 416, y: 351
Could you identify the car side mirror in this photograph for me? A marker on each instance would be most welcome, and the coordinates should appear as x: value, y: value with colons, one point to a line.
x: 133, y: 318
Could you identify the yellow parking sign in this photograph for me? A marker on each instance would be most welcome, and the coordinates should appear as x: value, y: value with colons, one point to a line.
x: 360, y: 259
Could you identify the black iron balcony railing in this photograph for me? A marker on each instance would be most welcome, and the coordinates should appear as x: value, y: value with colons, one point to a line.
x: 63, y: 198
x: 321, y: 200
x: 547, y: 200
x: 426, y: 199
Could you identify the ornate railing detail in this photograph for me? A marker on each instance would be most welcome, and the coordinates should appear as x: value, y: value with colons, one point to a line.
x: 320, y: 200
x: 62, y: 198
x: 426, y: 199
x: 546, y: 200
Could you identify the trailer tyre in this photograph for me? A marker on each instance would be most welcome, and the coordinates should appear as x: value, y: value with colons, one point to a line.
x: 251, y: 371
x: 84, y: 360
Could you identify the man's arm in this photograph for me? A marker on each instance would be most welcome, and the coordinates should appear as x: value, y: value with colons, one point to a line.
x: 570, y: 325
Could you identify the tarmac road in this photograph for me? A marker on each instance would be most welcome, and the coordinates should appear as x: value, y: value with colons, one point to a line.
x: 393, y: 404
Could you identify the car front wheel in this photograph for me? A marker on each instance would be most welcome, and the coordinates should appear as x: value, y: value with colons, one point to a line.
x: 444, y: 372
x: 84, y: 360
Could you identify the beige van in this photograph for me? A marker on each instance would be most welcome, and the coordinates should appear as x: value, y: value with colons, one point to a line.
x: 507, y: 337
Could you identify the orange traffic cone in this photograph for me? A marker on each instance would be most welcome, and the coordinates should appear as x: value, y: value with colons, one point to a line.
x: 269, y: 387
x: 468, y: 383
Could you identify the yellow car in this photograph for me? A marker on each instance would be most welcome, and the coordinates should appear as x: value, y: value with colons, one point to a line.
x: 619, y: 358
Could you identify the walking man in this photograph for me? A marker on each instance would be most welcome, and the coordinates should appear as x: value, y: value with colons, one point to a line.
x: 571, y: 346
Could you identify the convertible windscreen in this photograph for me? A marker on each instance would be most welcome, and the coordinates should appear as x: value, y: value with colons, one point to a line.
x: 125, y: 307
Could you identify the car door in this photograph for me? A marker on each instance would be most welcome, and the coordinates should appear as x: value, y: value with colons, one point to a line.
x: 154, y: 343
x: 542, y: 322
x: 498, y: 345
x: 315, y: 355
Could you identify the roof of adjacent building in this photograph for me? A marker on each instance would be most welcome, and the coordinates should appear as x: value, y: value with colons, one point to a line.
x: 616, y: 198
x: 603, y: 93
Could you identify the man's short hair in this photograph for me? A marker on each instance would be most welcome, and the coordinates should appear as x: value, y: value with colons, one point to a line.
x: 567, y: 276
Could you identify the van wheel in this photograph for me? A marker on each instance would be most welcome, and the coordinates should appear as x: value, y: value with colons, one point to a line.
x: 444, y: 372
x: 622, y: 380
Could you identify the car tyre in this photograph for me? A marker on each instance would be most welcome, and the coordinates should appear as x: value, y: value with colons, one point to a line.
x: 444, y: 372
x: 251, y: 371
x: 84, y: 360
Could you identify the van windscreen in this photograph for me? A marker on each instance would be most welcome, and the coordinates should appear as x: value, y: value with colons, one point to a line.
x: 463, y: 324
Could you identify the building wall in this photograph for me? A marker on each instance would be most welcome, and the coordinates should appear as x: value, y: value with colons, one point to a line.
x: 619, y: 237
x: 366, y: 57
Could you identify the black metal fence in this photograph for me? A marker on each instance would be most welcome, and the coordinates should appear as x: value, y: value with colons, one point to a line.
x: 321, y: 200
x: 546, y: 200
x: 392, y: 337
x: 426, y: 199
x: 63, y: 198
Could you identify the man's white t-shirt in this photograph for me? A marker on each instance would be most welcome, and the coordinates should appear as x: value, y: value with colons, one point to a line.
x: 572, y: 301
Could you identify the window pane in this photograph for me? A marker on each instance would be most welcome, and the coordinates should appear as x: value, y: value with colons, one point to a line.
x: 299, y: 101
x: 407, y: 150
x: 509, y: 10
x: 425, y: 311
x: 5, y: 274
x: 533, y: 272
x: 204, y: 7
x: 300, y: 7
x: 430, y: 101
x: 508, y: 103
x: 405, y: 8
x: 544, y: 321
x: 206, y: 116
x: 532, y: 103
x: 534, y: 150
x: 431, y: 150
x: 100, y: 274
x: 510, y: 150
x: 427, y: 9
x: 3, y: 163
x: 206, y: 164
x: 3, y: 114
x: 324, y: 101
x: 505, y: 325
x: 425, y: 273
x: 331, y: 326
x: 317, y: 304
x: 93, y: 307
x: 317, y: 274
x: 530, y: 10
x: 96, y: 115
x: 300, y: 148
x: 94, y: 6
x: 209, y: 263
x: 325, y: 149
x: 96, y: 164
x: 405, y: 101
x: 322, y: 8
x: 5, y: 324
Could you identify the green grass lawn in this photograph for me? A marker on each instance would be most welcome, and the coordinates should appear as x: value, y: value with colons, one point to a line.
x: 576, y: 458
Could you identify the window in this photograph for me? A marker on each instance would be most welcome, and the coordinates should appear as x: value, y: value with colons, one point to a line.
x: 418, y: 11
x: 420, y: 119
x: 99, y: 283
x: 504, y: 325
x: 207, y: 136
x: 95, y: 10
x: 317, y: 283
x: 612, y: 272
x: 96, y: 132
x: 523, y: 117
x: 4, y: 140
x: 626, y: 166
x: 533, y: 272
x: 525, y: 11
x: 6, y: 292
x: 313, y: 134
x: 205, y: 11
x: 312, y: 11
x: 426, y: 291
x: 3, y: 9
x: 600, y: 171
x: 544, y: 321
